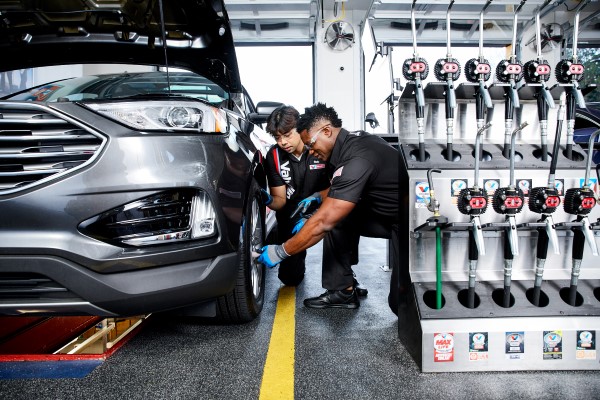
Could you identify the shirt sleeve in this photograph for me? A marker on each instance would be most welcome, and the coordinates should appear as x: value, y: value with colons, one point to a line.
x: 349, y: 180
x: 272, y: 162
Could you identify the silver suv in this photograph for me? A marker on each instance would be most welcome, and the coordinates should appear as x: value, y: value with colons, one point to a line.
x: 134, y: 192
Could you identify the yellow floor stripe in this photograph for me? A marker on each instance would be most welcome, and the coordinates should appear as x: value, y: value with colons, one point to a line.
x: 278, y: 376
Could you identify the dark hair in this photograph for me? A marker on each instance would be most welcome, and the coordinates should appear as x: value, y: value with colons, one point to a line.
x: 316, y: 113
x: 282, y: 120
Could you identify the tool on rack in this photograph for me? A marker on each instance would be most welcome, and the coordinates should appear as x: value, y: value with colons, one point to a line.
x: 437, y: 220
x: 570, y: 71
x: 473, y: 201
x: 510, y: 71
x: 580, y: 202
x: 509, y: 201
x: 478, y: 70
x: 545, y: 200
x: 538, y: 71
x: 448, y: 70
x: 416, y: 69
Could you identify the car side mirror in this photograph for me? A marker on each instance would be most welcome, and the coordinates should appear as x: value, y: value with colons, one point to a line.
x: 372, y: 120
x: 263, y: 110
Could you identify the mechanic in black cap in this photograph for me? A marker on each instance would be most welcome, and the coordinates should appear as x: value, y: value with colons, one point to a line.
x: 293, y: 175
x: 363, y: 199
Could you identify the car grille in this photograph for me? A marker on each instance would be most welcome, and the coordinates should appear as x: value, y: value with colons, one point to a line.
x: 37, y: 145
x: 29, y: 286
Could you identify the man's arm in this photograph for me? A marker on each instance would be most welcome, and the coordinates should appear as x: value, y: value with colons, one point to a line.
x: 331, y: 212
x: 279, y: 197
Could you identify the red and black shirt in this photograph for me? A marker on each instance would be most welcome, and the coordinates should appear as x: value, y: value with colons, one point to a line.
x: 301, y: 177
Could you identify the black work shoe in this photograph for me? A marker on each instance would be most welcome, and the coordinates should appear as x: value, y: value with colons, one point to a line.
x: 334, y: 299
x: 361, y: 292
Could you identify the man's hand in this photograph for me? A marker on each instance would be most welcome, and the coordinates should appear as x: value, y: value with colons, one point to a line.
x: 299, y: 225
x: 305, y: 204
x: 272, y: 255
x: 266, y: 197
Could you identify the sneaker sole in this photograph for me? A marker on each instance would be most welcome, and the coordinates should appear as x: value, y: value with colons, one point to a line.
x: 321, y: 306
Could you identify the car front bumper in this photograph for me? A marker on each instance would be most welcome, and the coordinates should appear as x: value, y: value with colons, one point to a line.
x: 54, y: 285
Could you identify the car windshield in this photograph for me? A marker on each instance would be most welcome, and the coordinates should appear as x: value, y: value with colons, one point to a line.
x: 99, y: 87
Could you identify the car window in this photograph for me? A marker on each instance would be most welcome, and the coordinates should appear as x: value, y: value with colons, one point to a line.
x: 125, y: 85
x: 248, y: 103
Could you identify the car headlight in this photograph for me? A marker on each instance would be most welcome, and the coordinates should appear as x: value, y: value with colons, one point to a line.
x: 170, y: 115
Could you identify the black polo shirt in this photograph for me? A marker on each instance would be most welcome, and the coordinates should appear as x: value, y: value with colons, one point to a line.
x: 301, y: 177
x: 364, y: 168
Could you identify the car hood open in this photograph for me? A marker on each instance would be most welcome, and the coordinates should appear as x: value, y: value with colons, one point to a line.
x: 58, y: 32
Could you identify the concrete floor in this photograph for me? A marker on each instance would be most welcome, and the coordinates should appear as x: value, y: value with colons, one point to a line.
x: 352, y: 354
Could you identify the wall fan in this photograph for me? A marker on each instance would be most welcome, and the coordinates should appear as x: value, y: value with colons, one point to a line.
x: 339, y: 35
x: 551, y: 36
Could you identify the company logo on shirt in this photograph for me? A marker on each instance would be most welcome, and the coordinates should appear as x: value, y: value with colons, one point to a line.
x: 289, y: 191
x: 316, y: 166
x: 338, y: 172
x: 285, y: 172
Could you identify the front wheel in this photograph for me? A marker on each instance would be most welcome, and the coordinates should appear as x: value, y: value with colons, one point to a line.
x: 245, y: 302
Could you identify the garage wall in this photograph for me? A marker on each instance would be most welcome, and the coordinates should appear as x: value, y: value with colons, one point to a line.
x: 338, y: 76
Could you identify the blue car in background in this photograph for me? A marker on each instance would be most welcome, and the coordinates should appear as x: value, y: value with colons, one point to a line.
x: 587, y: 121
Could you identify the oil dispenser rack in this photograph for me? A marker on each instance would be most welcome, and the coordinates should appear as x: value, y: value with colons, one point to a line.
x: 554, y: 335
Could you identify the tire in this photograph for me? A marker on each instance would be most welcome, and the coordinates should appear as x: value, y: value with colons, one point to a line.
x: 245, y: 302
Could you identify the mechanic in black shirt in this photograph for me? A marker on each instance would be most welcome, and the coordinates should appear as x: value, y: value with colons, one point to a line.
x: 293, y: 175
x: 363, y: 199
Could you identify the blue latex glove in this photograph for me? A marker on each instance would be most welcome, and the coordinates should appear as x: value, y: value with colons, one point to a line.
x: 272, y: 255
x: 299, y: 225
x: 304, y: 204
x: 266, y: 197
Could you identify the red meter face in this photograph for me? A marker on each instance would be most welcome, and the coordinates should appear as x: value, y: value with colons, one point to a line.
x: 588, y: 203
x: 483, y: 68
x: 513, y: 202
x: 478, y: 203
x: 513, y: 69
x: 417, y: 66
x: 450, y: 67
x: 576, y: 69
x: 552, y: 201
x: 543, y: 69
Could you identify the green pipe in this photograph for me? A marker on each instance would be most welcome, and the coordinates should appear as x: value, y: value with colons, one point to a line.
x: 438, y: 268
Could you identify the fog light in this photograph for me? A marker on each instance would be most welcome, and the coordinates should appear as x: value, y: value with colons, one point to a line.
x: 203, y: 217
x: 167, y: 217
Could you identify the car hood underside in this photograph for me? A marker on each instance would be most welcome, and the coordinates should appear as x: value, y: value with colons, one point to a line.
x: 57, y: 32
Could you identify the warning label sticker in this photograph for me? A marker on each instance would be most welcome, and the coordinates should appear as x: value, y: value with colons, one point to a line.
x: 552, y: 345
x: 443, y: 347
x: 586, y: 345
x: 515, y: 345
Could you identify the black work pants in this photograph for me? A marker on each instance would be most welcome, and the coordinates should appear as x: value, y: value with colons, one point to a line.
x: 340, y: 245
x: 291, y: 270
